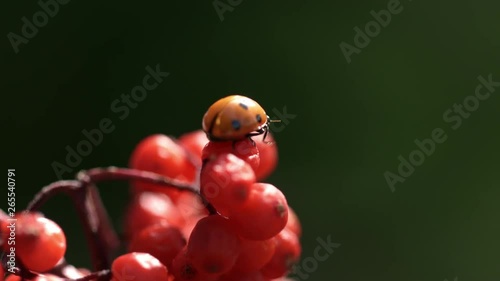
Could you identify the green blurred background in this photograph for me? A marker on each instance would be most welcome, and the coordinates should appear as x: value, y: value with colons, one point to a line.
x: 352, y: 120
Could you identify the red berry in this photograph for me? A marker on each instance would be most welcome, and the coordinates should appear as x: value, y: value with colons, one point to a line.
x: 74, y: 273
x: 40, y: 242
x: 190, y: 205
x: 286, y: 254
x: 263, y: 215
x: 160, y: 154
x: 183, y: 269
x: 254, y: 254
x: 244, y: 149
x: 162, y: 241
x: 138, y: 266
x: 225, y: 182
x: 149, y: 208
x: 13, y: 277
x: 194, y: 142
x: 41, y: 277
x: 293, y: 222
x: 213, y: 246
x: 243, y: 276
x: 188, y: 227
x: 268, y: 153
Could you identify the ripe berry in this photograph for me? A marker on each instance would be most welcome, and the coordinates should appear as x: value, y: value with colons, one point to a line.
x: 293, y: 222
x: 225, y: 182
x: 243, y: 276
x: 162, y: 241
x: 244, y: 149
x: 263, y: 215
x: 286, y: 254
x: 254, y: 254
x: 160, y: 154
x: 194, y: 142
x: 268, y: 152
x: 213, y: 246
x: 40, y: 242
x: 183, y: 269
x: 148, y: 208
x: 188, y: 227
x: 190, y: 205
x: 138, y: 266
x: 41, y: 277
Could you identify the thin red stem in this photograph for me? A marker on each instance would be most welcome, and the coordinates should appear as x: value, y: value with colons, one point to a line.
x: 113, y: 173
x: 92, y: 213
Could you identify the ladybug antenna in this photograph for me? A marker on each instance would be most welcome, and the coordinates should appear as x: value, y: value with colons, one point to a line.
x: 266, y: 129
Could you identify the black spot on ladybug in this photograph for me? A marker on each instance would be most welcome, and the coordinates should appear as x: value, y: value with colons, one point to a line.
x: 244, y: 106
x: 236, y: 124
x: 259, y: 119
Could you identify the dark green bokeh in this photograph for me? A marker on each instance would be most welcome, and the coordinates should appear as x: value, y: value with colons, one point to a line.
x: 353, y: 120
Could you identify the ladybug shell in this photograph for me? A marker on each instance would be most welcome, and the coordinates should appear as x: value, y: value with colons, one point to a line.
x: 233, y: 117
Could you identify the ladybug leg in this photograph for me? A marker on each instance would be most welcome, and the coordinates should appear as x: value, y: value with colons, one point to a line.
x: 253, y: 142
x: 266, y: 130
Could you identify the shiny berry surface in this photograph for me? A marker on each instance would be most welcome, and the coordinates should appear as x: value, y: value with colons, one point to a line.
x: 254, y: 254
x: 163, y: 241
x: 162, y: 155
x: 138, y: 266
x: 244, y: 149
x: 40, y: 242
x: 286, y: 254
x: 225, y: 182
x: 263, y: 215
x: 194, y: 142
x: 149, y: 208
x: 213, y: 246
x: 268, y: 153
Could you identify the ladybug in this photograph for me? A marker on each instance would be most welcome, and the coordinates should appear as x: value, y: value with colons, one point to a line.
x: 235, y: 117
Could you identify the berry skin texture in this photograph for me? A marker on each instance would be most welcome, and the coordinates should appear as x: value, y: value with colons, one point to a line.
x: 138, y: 266
x: 225, y: 182
x: 183, y: 269
x: 254, y: 255
x: 268, y: 153
x: 190, y: 205
x: 286, y: 254
x: 243, y: 276
x: 162, y: 241
x: 244, y: 149
x: 194, y: 142
x: 149, y: 208
x: 162, y: 155
x: 213, y: 246
x: 41, y: 277
x: 293, y: 223
x: 263, y: 215
x: 40, y: 242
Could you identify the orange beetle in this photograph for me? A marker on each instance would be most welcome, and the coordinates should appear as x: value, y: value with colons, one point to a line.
x: 235, y: 117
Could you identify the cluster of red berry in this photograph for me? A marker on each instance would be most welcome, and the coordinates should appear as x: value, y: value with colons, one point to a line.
x: 212, y: 220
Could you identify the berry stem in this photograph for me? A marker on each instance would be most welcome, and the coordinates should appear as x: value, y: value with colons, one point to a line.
x: 97, y: 228
x: 99, y: 232
x: 64, y: 186
x: 113, y: 173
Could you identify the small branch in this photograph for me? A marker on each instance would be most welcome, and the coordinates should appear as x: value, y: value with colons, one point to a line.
x: 100, y: 235
x: 87, y: 211
x: 113, y: 173
x: 49, y: 191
